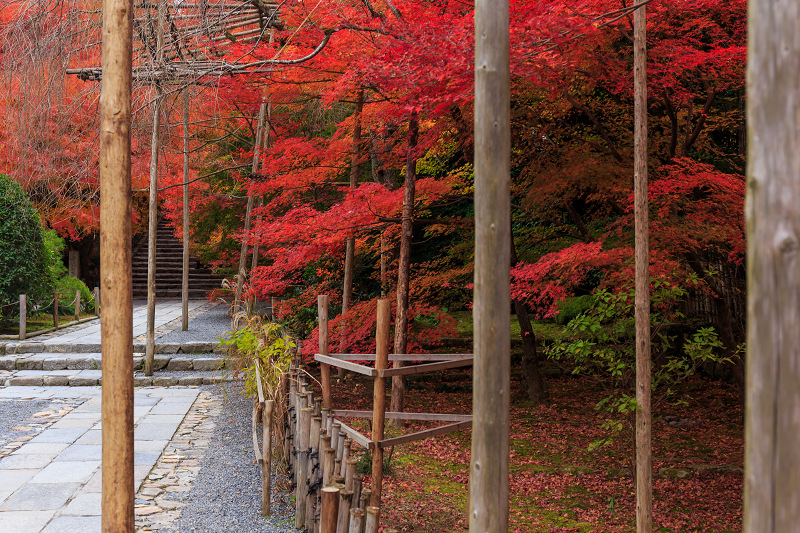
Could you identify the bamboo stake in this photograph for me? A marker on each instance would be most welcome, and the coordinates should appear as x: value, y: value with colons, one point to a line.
x: 55, y: 310
x: 153, y: 203
x: 254, y: 264
x: 23, y: 316
x: 366, y: 496
x: 325, y: 369
x: 644, y: 459
x: 349, y: 473
x: 185, y: 273
x: 358, y: 483
x: 302, y: 463
x: 115, y: 269
x: 327, y: 470
x: 491, y: 310
x: 266, y: 453
x: 237, y: 302
x: 330, y: 509
x: 379, y: 399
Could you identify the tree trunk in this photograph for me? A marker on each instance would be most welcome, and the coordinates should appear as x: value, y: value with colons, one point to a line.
x: 772, y: 424
x: 537, y: 392
x: 185, y: 270
x: 644, y: 458
x: 404, y: 266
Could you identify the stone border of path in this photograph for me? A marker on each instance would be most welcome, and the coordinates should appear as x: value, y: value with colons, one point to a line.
x: 51, y: 483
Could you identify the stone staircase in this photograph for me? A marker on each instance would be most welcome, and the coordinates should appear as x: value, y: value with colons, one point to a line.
x: 169, y: 269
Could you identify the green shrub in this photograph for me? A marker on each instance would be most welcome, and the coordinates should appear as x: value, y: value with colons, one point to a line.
x: 66, y: 288
x: 570, y: 308
x: 23, y: 255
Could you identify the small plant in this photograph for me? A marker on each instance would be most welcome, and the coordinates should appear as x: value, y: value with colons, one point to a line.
x: 364, y: 464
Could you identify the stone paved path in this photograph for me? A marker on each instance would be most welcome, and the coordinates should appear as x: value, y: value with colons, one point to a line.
x: 50, y: 482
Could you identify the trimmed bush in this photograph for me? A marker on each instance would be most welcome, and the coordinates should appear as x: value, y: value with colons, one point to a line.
x: 570, y: 308
x: 23, y: 257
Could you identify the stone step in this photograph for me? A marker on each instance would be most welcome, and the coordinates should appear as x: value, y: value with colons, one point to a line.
x: 93, y: 361
x: 32, y: 347
x: 93, y: 378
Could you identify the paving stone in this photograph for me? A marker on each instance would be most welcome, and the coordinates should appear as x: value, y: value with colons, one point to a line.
x: 145, y: 431
x: 26, y: 381
x: 159, y: 363
x: 142, y: 381
x: 81, y: 452
x: 190, y: 381
x: 50, y: 449
x: 149, y: 445
x: 39, y: 496
x: 208, y: 364
x: 95, y: 484
x: 164, y: 381
x: 65, y: 435
x: 55, y: 363
x: 179, y: 364
x: 84, y: 504
x: 75, y: 422
x: 83, y: 381
x: 32, y: 362
x: 27, y: 521
x: 84, y: 363
x: 11, y: 480
x: 74, y: 524
x: 93, y: 436
x: 145, y: 458
x: 56, y: 381
x: 66, y: 472
x: 29, y: 347
x: 18, y: 462
x: 8, y: 362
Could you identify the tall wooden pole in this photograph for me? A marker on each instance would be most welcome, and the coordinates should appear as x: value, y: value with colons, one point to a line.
x: 325, y: 369
x: 772, y: 415
x: 355, y: 168
x: 237, y: 301
x: 254, y: 264
x: 152, y: 226
x: 116, y: 322
x: 379, y: 398
x: 185, y: 273
x: 644, y: 459
x: 491, y: 311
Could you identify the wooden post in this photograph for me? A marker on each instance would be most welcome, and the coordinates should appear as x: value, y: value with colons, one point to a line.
x: 237, y: 302
x: 330, y: 509
x: 366, y: 496
x: 55, y: 310
x: 327, y: 465
x: 314, y: 475
x: 302, y: 463
x: 373, y: 520
x: 96, y: 294
x: 491, y: 310
x: 185, y: 271
x: 772, y: 454
x: 23, y: 317
x: 152, y: 224
x: 379, y: 399
x: 343, y: 520
x: 115, y: 268
x: 358, y: 484
x: 266, y: 453
x: 349, y: 473
x: 644, y: 468
x: 77, y: 305
x: 356, y: 520
x: 325, y: 369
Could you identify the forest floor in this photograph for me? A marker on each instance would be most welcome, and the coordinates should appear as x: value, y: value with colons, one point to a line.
x: 556, y: 482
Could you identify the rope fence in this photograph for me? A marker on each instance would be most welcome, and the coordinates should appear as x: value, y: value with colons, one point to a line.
x: 26, y: 310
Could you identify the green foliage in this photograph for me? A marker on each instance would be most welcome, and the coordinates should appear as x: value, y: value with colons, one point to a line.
x: 601, y: 344
x: 570, y: 308
x: 54, y: 248
x: 22, y: 247
x: 364, y: 464
x: 66, y: 287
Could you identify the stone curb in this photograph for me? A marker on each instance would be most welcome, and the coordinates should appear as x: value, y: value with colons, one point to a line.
x: 43, y: 379
x: 58, y: 361
x: 162, y: 348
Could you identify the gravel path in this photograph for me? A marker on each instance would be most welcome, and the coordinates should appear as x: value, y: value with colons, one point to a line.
x: 226, y: 495
x: 14, y: 413
x: 207, y: 326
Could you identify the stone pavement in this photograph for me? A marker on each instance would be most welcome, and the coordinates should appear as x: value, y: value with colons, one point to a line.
x: 51, y: 482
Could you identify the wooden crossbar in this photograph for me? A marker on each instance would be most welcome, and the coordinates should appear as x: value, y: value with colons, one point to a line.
x: 420, y: 435
x: 435, y: 417
x: 403, y: 357
x: 355, y: 435
x: 421, y: 369
x: 358, y: 369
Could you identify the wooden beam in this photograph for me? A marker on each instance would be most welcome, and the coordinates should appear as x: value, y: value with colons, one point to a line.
x: 403, y: 357
x: 332, y: 361
x: 425, y: 434
x: 436, y: 417
x: 355, y: 435
x: 488, y: 495
x: 116, y: 322
x: 421, y: 369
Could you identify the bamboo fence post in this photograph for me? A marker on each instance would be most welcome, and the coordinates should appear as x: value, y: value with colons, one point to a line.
x: 302, y: 463
x: 330, y: 509
x: 266, y: 453
x: 317, y: 406
x: 185, y: 267
x: 313, y: 472
x: 336, y: 436
x: 644, y: 455
x: 772, y: 454
x: 55, y: 310
x: 343, y: 521
x: 489, y: 469
x: 115, y: 268
x: 373, y: 519
x: 366, y: 496
x: 290, y: 414
x: 23, y: 316
x: 96, y: 293
x: 349, y: 475
x: 152, y: 224
x: 77, y: 305
x: 325, y: 369
x: 327, y: 471
x: 345, y: 457
x: 358, y: 483
x: 356, y: 520
x: 237, y: 302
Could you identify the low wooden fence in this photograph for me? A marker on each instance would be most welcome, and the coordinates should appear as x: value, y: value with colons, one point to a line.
x: 23, y: 315
x: 330, y: 496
